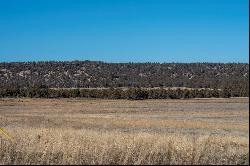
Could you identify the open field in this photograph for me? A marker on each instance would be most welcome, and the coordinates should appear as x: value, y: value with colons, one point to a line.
x: 89, y: 131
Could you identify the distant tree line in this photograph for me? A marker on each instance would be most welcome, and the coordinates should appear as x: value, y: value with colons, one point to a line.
x: 94, y: 74
x: 41, y: 79
x: 118, y: 93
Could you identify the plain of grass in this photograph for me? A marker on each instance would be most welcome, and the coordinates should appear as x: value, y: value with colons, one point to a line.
x: 70, y: 131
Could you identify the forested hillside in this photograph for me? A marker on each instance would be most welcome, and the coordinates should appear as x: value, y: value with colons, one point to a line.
x: 93, y: 74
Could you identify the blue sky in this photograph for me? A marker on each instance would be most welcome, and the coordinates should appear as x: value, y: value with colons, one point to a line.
x: 125, y: 30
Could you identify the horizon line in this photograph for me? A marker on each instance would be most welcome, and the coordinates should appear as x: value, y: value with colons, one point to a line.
x: 137, y: 62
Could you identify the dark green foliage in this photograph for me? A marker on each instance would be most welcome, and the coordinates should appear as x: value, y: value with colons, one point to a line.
x: 136, y: 94
x: 41, y: 79
x: 90, y: 74
x: 117, y: 93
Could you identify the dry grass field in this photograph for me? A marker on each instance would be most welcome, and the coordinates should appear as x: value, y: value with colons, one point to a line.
x: 94, y: 131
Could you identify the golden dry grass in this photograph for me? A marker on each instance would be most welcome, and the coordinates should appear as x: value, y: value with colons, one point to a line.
x: 81, y: 131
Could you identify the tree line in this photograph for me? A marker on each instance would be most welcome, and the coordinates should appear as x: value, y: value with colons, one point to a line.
x: 118, y: 93
x: 95, y: 74
x: 41, y: 79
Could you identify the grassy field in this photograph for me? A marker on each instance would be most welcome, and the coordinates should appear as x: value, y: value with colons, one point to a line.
x: 89, y: 131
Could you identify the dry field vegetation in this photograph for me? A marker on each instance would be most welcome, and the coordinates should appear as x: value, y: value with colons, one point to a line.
x: 94, y: 131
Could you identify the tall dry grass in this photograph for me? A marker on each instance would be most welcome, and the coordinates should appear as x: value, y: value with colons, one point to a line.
x: 73, y: 131
x: 67, y: 146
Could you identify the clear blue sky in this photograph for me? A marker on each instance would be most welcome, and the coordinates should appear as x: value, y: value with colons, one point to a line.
x: 125, y: 30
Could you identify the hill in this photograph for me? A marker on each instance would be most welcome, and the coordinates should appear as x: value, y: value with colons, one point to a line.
x: 95, y: 74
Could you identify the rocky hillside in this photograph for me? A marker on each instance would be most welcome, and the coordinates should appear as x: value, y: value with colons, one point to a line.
x: 92, y: 74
